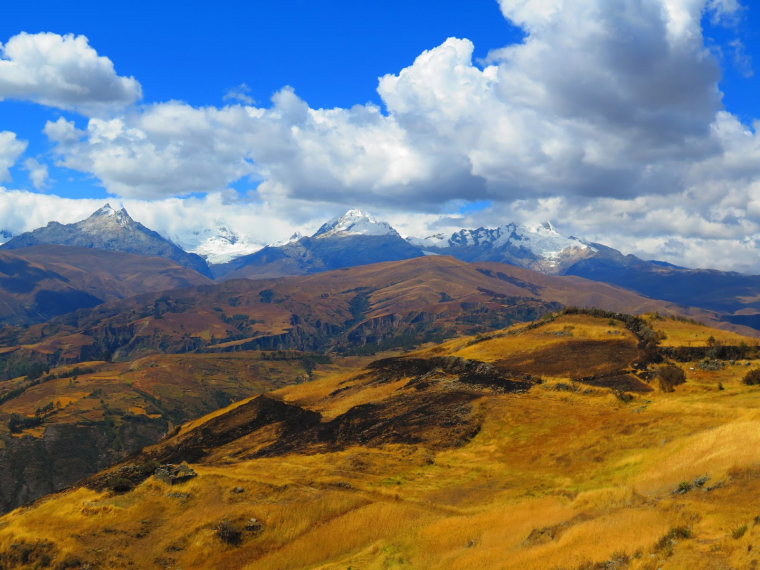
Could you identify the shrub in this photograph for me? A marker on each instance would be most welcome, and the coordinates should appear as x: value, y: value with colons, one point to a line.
x: 229, y: 532
x: 683, y: 488
x: 667, y: 542
x: 701, y: 481
x: 669, y: 377
x: 739, y: 532
x: 752, y: 377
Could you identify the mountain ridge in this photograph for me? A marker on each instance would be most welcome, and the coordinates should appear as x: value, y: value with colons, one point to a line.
x: 111, y: 230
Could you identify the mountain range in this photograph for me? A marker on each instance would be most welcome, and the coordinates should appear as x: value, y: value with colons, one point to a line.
x: 357, y: 238
x: 121, y: 373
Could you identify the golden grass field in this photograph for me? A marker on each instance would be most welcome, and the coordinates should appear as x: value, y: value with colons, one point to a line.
x: 564, y: 476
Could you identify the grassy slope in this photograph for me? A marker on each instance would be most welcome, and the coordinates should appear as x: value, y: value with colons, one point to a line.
x: 554, y: 478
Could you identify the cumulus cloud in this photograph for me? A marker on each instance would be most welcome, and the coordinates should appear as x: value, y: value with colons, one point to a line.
x: 11, y: 148
x: 64, y: 72
x: 601, y: 99
x: 166, y: 150
x: 38, y: 172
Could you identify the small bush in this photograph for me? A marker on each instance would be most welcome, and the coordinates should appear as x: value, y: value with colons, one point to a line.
x: 701, y: 481
x: 667, y: 542
x: 739, y: 532
x: 229, y: 533
x: 683, y: 488
x: 670, y: 376
x: 120, y: 485
x: 752, y: 377
x: 711, y: 365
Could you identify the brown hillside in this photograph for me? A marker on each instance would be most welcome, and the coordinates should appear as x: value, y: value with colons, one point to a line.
x: 443, y: 458
x: 367, y: 308
x: 37, y: 283
x: 72, y: 421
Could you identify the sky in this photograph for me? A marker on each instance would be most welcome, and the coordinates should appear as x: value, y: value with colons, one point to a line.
x: 631, y: 123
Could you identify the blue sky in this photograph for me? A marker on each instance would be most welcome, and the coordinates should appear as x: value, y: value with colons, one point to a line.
x: 627, y: 122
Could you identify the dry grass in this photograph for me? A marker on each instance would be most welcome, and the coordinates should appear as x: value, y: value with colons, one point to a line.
x: 553, y: 479
x: 684, y: 333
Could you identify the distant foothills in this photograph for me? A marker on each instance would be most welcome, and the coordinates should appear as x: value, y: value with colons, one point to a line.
x: 353, y: 239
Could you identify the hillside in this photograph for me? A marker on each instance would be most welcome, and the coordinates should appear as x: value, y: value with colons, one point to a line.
x: 64, y: 424
x: 477, y: 453
x: 364, y: 309
x: 37, y: 283
x: 269, y: 333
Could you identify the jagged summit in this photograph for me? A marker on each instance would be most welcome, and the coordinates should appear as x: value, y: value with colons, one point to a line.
x: 101, y: 219
x: 539, y: 247
x: 355, y: 222
x: 292, y: 239
x: 112, y: 230
x: 108, y: 211
x: 105, y: 210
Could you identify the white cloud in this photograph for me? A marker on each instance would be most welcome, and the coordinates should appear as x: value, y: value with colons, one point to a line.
x: 64, y: 72
x: 601, y: 99
x: 38, y: 172
x: 11, y: 148
x: 240, y: 94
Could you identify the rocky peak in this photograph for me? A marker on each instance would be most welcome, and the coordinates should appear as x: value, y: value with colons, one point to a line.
x: 355, y: 222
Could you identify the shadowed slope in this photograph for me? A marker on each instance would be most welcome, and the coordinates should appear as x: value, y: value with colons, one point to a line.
x: 38, y: 283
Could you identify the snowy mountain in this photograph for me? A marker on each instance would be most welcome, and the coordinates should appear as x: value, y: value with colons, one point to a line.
x: 112, y: 230
x: 353, y: 223
x: 218, y: 244
x: 540, y: 247
x: 355, y: 238
x: 5, y: 235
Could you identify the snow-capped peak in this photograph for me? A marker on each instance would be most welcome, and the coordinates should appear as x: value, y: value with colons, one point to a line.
x: 546, y: 243
x: 217, y: 243
x: 355, y: 222
x: 105, y: 217
x: 539, y: 247
x: 292, y: 239
x: 105, y: 210
x: 435, y: 240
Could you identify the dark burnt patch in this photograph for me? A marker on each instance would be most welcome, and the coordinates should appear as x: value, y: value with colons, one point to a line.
x: 243, y: 420
x: 440, y: 420
x: 621, y: 382
x: 575, y: 359
x: 426, y: 371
